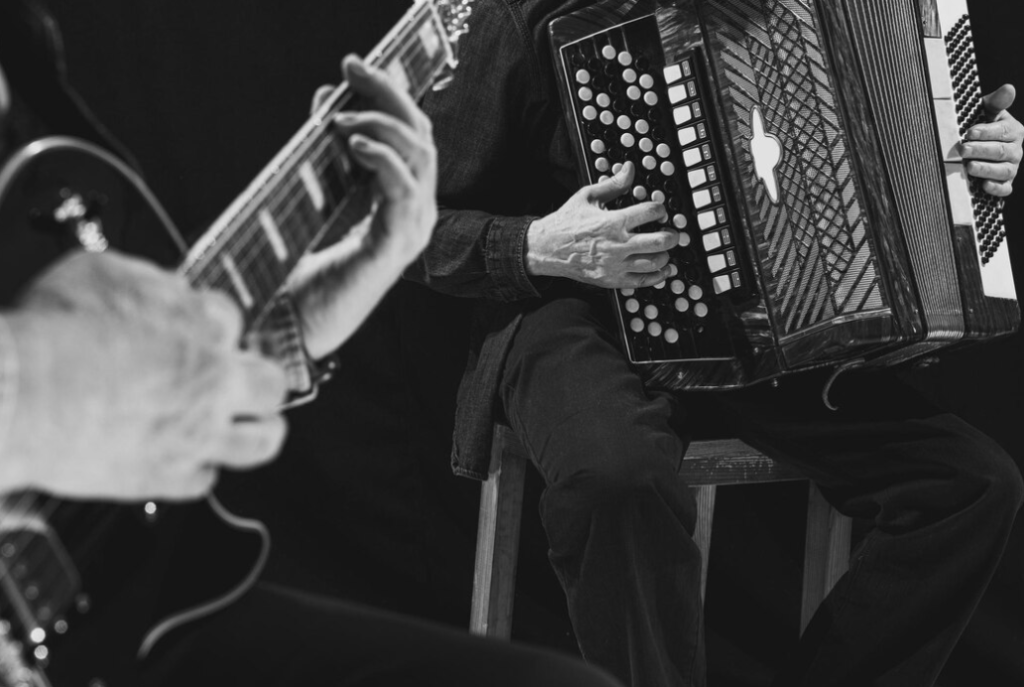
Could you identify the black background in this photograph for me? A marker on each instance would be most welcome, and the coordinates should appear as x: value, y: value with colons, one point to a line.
x: 362, y: 502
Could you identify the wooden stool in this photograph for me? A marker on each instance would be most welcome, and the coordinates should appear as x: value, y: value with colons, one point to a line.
x: 707, y: 465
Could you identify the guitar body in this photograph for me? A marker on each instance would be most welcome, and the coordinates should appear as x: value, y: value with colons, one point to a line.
x: 84, y: 588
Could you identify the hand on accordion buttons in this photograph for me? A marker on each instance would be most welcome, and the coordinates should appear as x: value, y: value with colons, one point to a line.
x: 993, y: 150
x: 586, y: 242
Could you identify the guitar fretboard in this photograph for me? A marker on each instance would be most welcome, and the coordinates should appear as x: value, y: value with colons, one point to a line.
x: 303, y: 193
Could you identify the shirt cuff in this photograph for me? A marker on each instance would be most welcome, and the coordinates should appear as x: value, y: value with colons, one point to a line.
x: 506, y: 258
x: 280, y: 338
x: 8, y: 381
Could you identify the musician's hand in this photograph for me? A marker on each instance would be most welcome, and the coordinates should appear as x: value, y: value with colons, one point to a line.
x: 587, y: 243
x: 131, y: 385
x: 994, y: 149
x: 336, y: 288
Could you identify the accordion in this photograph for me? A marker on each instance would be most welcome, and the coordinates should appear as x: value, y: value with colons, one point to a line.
x: 807, y: 152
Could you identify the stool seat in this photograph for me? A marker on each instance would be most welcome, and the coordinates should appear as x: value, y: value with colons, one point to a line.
x: 706, y: 466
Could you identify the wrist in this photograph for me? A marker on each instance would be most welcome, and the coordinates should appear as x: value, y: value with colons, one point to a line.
x: 537, y: 256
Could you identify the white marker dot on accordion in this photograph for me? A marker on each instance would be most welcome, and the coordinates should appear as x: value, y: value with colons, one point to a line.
x: 624, y: 122
x: 667, y: 168
x: 650, y: 311
x: 627, y: 140
x: 607, y: 117
x: 646, y: 145
x: 640, y: 193
x: 632, y: 305
x: 603, y: 100
x: 629, y: 75
x: 646, y: 81
x: 671, y: 336
x: 677, y: 287
x: 633, y: 93
x: 625, y: 59
x: 654, y: 329
x: 696, y: 293
x: 589, y: 113
x: 682, y: 305
x: 597, y: 146
x: 636, y: 324
x: 608, y: 52
x: 642, y: 127
x: 700, y: 310
x: 679, y: 221
x: 583, y: 76
x: 658, y: 197
x: 601, y: 164
x: 585, y: 94
x: 663, y: 150
x: 651, y: 98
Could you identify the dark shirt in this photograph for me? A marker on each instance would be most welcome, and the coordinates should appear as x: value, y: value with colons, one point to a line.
x: 504, y: 160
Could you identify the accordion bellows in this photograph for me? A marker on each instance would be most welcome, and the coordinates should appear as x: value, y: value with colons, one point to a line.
x: 808, y: 154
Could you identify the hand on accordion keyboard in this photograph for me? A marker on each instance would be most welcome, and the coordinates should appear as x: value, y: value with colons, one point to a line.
x: 993, y: 149
x: 586, y: 242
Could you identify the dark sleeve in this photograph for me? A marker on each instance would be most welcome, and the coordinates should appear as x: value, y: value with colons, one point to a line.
x: 493, y: 127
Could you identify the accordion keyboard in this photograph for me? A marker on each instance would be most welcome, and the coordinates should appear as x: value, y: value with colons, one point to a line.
x: 628, y: 105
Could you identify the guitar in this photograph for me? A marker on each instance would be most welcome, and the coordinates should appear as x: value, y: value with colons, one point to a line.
x: 89, y: 590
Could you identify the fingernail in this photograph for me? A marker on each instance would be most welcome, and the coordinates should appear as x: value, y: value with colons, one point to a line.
x: 359, y: 142
x: 344, y: 118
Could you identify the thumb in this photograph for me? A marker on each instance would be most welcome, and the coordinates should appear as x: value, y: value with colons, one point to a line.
x: 320, y: 97
x: 1000, y: 99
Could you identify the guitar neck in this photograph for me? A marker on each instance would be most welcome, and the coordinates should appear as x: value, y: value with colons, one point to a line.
x: 310, y: 188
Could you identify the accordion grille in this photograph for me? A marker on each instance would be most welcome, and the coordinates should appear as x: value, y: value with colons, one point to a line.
x: 814, y: 246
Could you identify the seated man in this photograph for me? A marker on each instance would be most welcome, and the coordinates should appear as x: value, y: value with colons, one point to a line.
x: 118, y: 382
x: 516, y: 234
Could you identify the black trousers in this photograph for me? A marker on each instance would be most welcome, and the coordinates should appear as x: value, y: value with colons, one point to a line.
x: 941, y: 497
x: 275, y: 637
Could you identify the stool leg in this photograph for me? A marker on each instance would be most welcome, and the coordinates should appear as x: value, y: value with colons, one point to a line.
x: 497, y: 548
x: 826, y: 552
x: 702, y: 531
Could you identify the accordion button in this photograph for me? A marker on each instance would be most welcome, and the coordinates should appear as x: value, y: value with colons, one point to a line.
x: 696, y: 293
x: 654, y: 329
x: 627, y: 140
x: 607, y: 117
x: 632, y: 305
x: 616, y: 168
x: 701, y: 199
x: 651, y: 98
x: 677, y: 287
x: 700, y: 310
x: 640, y: 193
x: 684, y: 239
x: 590, y: 113
x: 625, y: 58
x: 636, y: 324
x: 667, y: 168
x: 697, y: 177
x: 660, y: 285
x: 677, y: 94
x: 672, y: 269
x: 723, y: 283
x: 603, y: 100
x: 683, y: 114
x: 651, y: 312
x: 706, y: 220
x: 633, y: 93
x: 679, y: 221
x: 648, y: 162
x: 671, y: 336
x: 716, y: 263
x: 627, y: 292
x: 646, y: 81
x: 642, y: 127
x: 624, y: 122
x: 585, y: 94
x: 712, y: 241
x: 646, y: 144
x: 629, y: 75
x: 583, y: 76
x: 597, y: 146
x: 672, y: 73
x: 608, y: 52
x: 687, y: 136
x: 682, y: 305
x: 602, y: 164
x: 663, y: 150
x: 658, y: 197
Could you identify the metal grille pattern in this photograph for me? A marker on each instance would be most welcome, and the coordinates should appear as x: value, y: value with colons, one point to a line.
x: 819, y: 260
x: 988, y: 210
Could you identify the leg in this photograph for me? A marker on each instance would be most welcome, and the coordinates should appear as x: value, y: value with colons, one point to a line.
x: 618, y: 519
x: 941, y: 496
x: 274, y: 637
